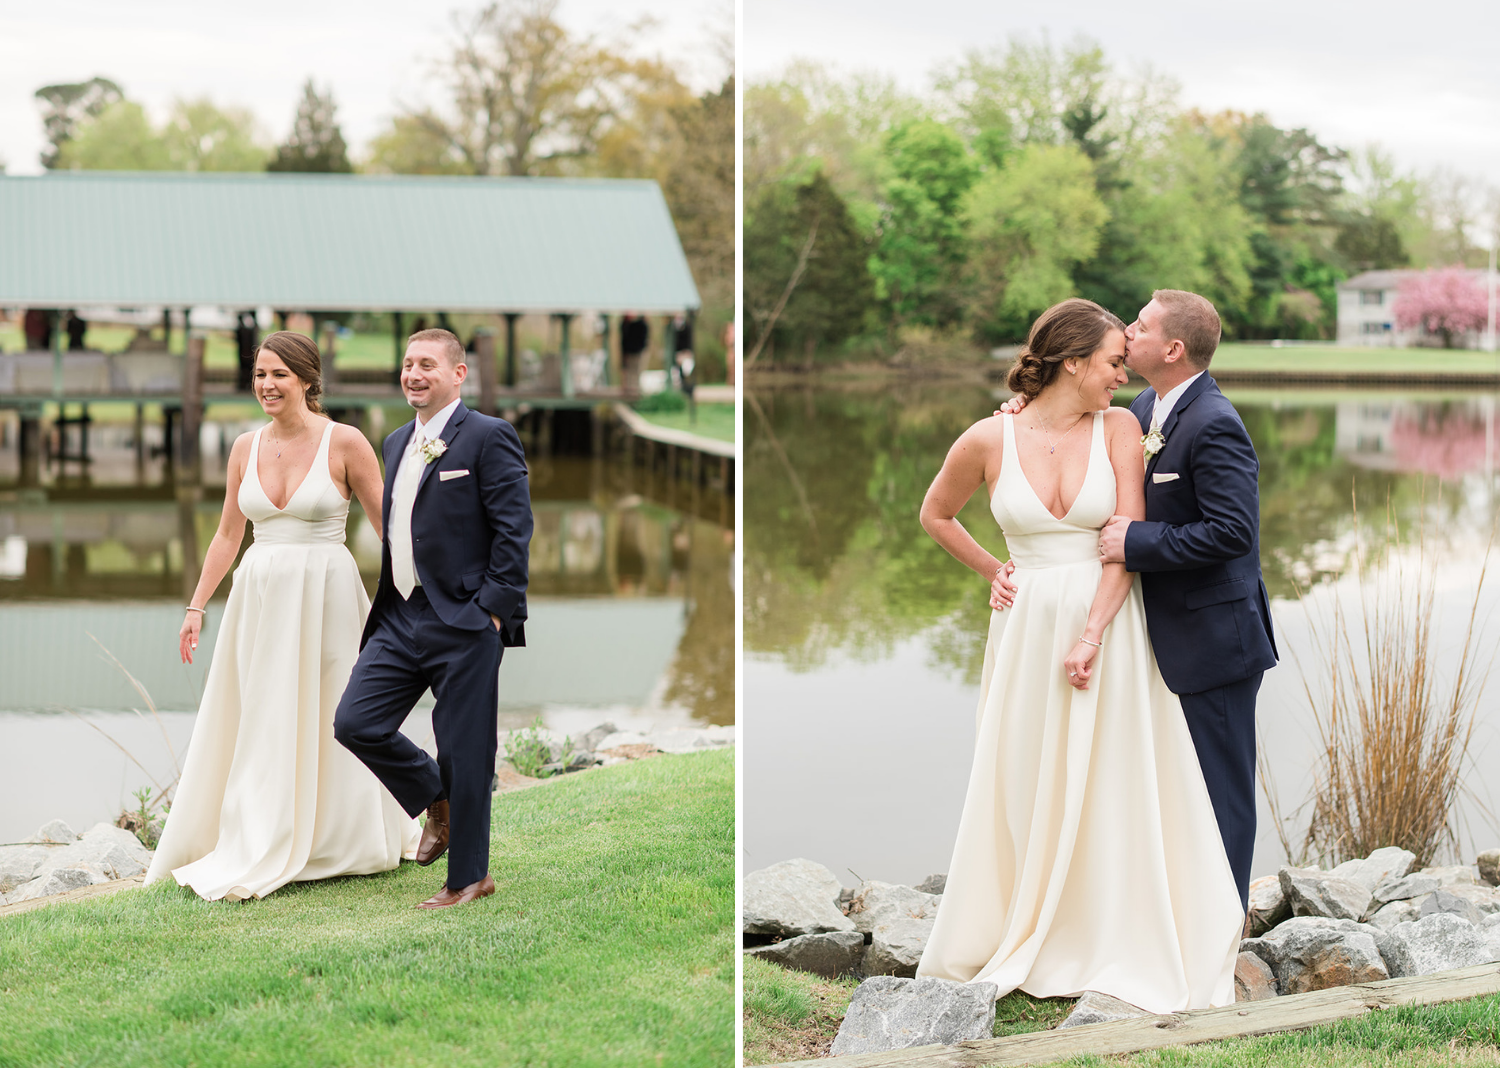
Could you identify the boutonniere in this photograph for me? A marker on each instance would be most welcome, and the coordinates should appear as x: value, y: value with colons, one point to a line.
x: 432, y: 449
x: 1152, y: 441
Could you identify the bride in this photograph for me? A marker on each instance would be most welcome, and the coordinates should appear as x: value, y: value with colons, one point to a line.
x: 1088, y: 856
x: 267, y: 796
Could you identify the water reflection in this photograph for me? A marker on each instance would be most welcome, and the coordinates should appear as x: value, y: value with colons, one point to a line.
x: 864, y: 640
x: 632, y: 605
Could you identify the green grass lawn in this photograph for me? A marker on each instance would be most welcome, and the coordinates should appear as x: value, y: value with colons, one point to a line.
x: 1233, y: 356
x: 609, y: 942
x: 794, y: 1016
x: 714, y: 421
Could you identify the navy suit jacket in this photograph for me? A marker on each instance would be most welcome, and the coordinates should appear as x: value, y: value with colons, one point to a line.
x: 471, y: 531
x: 1198, y: 549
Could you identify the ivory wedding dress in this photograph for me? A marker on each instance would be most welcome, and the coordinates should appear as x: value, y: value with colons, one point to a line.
x: 1088, y: 857
x: 267, y: 796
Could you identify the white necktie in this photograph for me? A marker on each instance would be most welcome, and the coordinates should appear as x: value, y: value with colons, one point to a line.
x: 403, y: 494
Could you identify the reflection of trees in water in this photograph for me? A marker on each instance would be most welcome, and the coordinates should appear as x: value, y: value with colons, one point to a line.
x: 868, y: 576
x: 702, y: 673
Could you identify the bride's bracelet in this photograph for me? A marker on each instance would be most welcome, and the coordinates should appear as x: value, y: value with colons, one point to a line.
x: 200, y: 611
x: 1096, y: 645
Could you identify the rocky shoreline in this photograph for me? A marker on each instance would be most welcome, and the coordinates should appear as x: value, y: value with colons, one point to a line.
x: 1307, y: 929
x: 57, y: 860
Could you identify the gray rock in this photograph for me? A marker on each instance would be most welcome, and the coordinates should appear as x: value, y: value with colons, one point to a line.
x: 1425, y: 882
x: 1268, y: 905
x: 1314, y: 953
x: 1095, y: 1007
x: 590, y: 741
x: 1404, y: 911
x: 691, y: 740
x: 1389, y: 862
x: 829, y: 955
x: 105, y: 848
x: 899, y: 921
x: 56, y: 831
x: 1314, y: 893
x: 933, y: 884
x: 619, y: 738
x: 1489, y: 930
x: 1489, y: 866
x: 1435, y: 943
x: 57, y: 881
x: 18, y: 863
x: 887, y: 1013
x: 1451, y: 903
x: 795, y: 897
x: 1253, y: 979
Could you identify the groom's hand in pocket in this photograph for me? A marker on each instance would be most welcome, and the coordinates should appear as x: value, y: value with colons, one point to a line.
x: 495, y: 620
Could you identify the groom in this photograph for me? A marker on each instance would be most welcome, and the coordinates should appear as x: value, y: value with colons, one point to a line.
x: 1198, y: 552
x: 452, y: 596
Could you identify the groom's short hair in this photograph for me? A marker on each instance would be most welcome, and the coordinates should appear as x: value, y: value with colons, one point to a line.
x: 1192, y: 320
x: 453, y: 348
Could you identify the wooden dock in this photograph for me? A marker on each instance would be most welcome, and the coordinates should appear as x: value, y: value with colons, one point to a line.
x: 1292, y: 1012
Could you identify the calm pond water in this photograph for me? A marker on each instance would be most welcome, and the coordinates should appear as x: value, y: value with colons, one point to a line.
x: 632, y: 616
x: 863, y: 639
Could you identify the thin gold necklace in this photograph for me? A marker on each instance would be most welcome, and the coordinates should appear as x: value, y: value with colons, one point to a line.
x: 1052, y: 445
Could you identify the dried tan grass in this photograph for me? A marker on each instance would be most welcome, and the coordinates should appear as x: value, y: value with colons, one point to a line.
x: 1394, y: 738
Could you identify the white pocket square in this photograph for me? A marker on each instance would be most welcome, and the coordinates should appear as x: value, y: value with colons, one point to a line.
x: 1158, y: 477
x: 444, y: 476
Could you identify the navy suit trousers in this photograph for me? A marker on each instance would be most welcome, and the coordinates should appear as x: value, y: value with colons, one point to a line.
x: 1222, y: 723
x: 409, y: 650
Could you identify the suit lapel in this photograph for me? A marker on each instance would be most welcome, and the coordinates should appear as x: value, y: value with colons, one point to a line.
x: 1192, y: 393
x: 455, y: 422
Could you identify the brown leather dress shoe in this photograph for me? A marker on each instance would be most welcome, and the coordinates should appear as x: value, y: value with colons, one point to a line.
x: 434, y: 841
x: 473, y: 892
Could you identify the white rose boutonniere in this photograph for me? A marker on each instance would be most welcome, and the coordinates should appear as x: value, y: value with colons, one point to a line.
x: 432, y: 449
x: 1153, y: 441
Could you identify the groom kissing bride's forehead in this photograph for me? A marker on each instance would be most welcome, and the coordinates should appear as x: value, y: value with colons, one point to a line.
x: 451, y: 598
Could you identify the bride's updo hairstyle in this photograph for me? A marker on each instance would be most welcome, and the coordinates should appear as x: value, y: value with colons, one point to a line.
x: 301, y: 357
x: 1076, y: 328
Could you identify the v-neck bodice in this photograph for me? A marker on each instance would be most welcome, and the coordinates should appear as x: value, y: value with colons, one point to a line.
x: 1035, y: 537
x: 315, y: 512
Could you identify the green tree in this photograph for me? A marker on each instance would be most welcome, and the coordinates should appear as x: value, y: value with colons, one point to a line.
x: 66, y: 107
x: 202, y: 137
x: 803, y: 233
x: 920, y: 253
x: 1175, y: 223
x: 699, y: 186
x: 1031, y: 223
x: 1370, y: 243
x: 415, y: 144
x: 1027, y: 90
x: 316, y: 143
x: 121, y: 138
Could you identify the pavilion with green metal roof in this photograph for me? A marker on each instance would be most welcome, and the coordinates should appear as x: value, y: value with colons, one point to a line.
x: 371, y: 243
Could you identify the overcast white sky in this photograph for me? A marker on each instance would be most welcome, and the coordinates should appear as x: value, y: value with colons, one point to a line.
x: 258, y: 54
x: 1422, y: 78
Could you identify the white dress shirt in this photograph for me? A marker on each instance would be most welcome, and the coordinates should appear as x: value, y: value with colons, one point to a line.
x: 1164, y: 404
x: 403, y: 496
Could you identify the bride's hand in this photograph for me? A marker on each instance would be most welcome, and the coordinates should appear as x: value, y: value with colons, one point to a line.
x: 1002, y: 589
x: 1079, y: 665
x: 187, y: 637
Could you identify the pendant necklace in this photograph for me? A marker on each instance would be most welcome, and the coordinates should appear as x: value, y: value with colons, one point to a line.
x: 277, y: 441
x: 1052, y: 445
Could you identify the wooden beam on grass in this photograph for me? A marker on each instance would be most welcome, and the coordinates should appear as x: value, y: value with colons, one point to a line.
x: 1246, y: 1019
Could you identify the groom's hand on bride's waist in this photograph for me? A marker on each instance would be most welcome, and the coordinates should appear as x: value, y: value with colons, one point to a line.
x: 1112, y: 540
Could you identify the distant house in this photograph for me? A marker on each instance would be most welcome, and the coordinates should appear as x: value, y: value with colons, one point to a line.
x: 1367, y: 312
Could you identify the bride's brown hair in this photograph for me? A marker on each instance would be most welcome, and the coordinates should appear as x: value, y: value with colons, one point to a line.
x: 1076, y: 328
x: 301, y: 357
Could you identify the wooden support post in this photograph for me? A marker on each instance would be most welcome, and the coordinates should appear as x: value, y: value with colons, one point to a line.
x: 329, y: 355
x: 564, y: 354
x: 398, y: 335
x: 140, y: 439
x: 31, y: 445
x: 484, y: 353
x: 192, y: 404
x: 605, y: 333
x: 166, y: 329
x: 510, y: 349
x: 187, y: 534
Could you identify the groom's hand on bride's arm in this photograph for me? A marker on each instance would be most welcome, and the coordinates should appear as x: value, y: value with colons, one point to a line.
x: 1112, y: 540
x: 1012, y: 406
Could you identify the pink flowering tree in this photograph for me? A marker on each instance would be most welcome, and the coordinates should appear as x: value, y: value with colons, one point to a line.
x: 1447, y: 302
